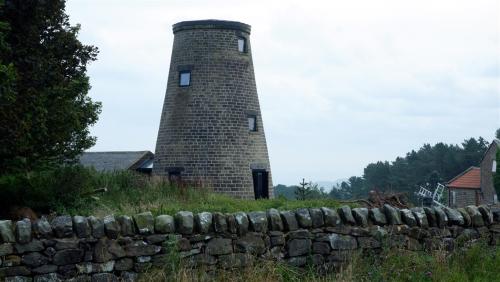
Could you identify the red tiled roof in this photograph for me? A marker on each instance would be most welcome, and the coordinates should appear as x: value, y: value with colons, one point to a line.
x: 471, y: 178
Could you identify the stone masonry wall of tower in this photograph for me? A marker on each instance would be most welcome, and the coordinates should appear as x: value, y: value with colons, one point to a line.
x: 204, y: 133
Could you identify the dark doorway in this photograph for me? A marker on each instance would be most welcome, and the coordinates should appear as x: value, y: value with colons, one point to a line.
x: 174, y: 175
x: 260, y: 183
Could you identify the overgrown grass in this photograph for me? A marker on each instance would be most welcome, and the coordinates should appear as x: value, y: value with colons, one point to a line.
x: 478, y: 263
x: 129, y: 193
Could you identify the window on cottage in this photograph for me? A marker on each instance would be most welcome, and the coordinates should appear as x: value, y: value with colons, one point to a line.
x: 453, y: 198
x: 252, y: 123
x: 494, y: 166
x: 242, y: 44
x: 184, y: 78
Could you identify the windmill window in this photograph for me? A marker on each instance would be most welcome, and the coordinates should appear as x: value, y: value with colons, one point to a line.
x: 242, y: 45
x: 252, y: 122
x: 184, y: 78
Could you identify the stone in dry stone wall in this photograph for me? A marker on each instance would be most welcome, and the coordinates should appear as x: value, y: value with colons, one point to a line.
x: 486, y: 213
x: 304, y: 218
x: 465, y: 216
x: 392, y: 214
x: 475, y: 215
x: 377, y: 216
x: 442, y: 218
x: 342, y: 242
x: 274, y: 219
x: 203, y: 222
x: 289, y: 221
x: 23, y: 231
x: 96, y: 227
x: 144, y: 222
x: 6, y: 233
x: 454, y: 216
x: 220, y: 222
x: 219, y: 246
x: 346, y: 215
x: 62, y: 226
x: 299, y: 247
x: 317, y: 219
x: 232, y: 225
x: 81, y: 226
x: 361, y: 216
x: 242, y: 222
x: 408, y: 217
x: 111, y: 226
x: 164, y: 224
x: 184, y: 222
x: 258, y: 221
x: 420, y: 217
x: 127, y: 227
x: 431, y: 216
x: 331, y: 217
x: 251, y: 243
x: 42, y: 228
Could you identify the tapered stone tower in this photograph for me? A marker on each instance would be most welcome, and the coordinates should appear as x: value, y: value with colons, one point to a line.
x: 211, y: 130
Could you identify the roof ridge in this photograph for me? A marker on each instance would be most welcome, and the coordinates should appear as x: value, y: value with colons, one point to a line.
x: 100, y: 152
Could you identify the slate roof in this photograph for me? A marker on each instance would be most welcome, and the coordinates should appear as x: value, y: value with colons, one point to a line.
x: 469, y: 179
x: 118, y: 160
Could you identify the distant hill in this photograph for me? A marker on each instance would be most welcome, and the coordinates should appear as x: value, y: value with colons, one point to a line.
x: 289, y: 191
x: 328, y: 185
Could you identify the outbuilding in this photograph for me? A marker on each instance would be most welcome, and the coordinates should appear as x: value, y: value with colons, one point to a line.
x: 465, y: 188
x: 140, y: 161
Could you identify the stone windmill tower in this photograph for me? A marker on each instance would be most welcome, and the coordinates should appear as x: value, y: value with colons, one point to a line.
x: 211, y: 130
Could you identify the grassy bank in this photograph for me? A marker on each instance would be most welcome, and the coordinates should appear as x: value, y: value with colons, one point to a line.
x: 478, y: 263
x: 70, y: 190
x: 129, y: 193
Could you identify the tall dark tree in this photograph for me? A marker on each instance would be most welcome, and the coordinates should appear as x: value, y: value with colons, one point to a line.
x: 45, y: 112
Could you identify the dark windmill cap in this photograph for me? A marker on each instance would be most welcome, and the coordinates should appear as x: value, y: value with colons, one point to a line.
x: 211, y: 24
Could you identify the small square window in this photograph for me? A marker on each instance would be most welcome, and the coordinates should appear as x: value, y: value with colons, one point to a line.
x: 242, y: 48
x: 184, y: 78
x: 252, y: 123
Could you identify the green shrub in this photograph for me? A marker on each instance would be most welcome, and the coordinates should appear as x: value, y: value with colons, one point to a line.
x: 46, y: 190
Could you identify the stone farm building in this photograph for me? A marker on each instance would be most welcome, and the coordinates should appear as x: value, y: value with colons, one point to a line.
x: 474, y: 186
x: 140, y: 161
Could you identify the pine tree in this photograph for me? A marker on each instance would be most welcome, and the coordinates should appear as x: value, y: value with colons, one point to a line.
x: 304, y: 191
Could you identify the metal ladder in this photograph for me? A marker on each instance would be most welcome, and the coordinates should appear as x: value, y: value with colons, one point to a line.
x: 436, y: 196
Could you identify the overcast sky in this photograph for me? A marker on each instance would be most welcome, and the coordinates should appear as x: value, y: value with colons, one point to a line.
x: 341, y: 83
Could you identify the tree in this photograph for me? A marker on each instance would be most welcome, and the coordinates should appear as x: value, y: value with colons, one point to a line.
x: 45, y: 112
x: 304, y: 191
x: 7, y: 71
x: 497, y: 134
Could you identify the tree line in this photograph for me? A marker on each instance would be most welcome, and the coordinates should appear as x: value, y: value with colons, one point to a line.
x: 427, y: 166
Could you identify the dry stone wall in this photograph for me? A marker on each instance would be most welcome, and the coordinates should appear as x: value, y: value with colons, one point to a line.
x: 121, y: 247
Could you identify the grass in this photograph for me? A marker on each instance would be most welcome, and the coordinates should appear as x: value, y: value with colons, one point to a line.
x: 130, y: 193
x: 478, y: 263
